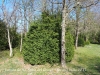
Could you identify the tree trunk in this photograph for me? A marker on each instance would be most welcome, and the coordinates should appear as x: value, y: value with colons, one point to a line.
x: 87, y: 38
x: 63, y: 63
x: 52, y: 7
x: 10, y: 46
x: 77, y: 24
x: 76, y: 41
x: 44, y: 4
x: 21, y: 41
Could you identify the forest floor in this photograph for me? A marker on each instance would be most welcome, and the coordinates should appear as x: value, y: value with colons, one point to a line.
x: 86, y: 61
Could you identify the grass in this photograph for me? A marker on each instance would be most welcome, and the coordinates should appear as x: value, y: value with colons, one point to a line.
x: 88, y: 58
x: 86, y: 61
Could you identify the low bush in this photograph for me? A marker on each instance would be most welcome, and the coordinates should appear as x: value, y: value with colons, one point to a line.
x: 81, y: 42
x: 87, y: 42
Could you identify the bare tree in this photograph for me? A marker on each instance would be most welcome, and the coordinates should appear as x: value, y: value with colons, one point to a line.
x: 44, y: 5
x: 81, y: 4
x: 7, y: 17
x: 21, y: 42
x: 26, y: 10
x: 77, y: 22
x: 26, y: 14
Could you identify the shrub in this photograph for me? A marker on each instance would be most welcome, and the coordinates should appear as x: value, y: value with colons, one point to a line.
x: 69, y: 46
x: 14, y: 36
x: 42, y: 43
x: 93, y: 38
x: 3, y: 36
x: 87, y: 43
x: 98, y: 37
x: 81, y: 42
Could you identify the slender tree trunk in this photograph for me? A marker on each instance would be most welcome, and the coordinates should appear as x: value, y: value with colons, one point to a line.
x: 10, y: 46
x: 44, y: 4
x: 77, y: 31
x: 63, y: 63
x: 52, y: 7
x: 21, y: 41
x: 77, y: 23
x: 87, y: 38
x: 76, y: 41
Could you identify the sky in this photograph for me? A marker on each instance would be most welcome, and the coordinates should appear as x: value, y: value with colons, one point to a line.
x: 38, y: 6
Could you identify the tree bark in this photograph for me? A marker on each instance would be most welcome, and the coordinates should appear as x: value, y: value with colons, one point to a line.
x: 63, y: 26
x: 44, y: 4
x: 77, y: 23
x: 10, y: 45
x: 52, y: 7
x: 21, y: 41
x: 76, y: 41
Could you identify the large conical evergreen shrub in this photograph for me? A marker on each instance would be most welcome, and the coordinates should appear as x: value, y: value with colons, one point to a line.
x: 42, y: 42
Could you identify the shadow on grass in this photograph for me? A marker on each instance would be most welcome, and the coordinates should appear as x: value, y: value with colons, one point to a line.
x: 92, y: 66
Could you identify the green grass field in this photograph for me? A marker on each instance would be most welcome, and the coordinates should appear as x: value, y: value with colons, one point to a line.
x: 86, y: 61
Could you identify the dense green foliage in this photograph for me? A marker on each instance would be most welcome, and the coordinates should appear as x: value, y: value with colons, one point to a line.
x: 3, y: 36
x: 87, y: 42
x: 42, y: 42
x: 81, y: 41
x: 95, y: 38
x: 98, y: 37
x: 69, y: 46
x: 14, y: 36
